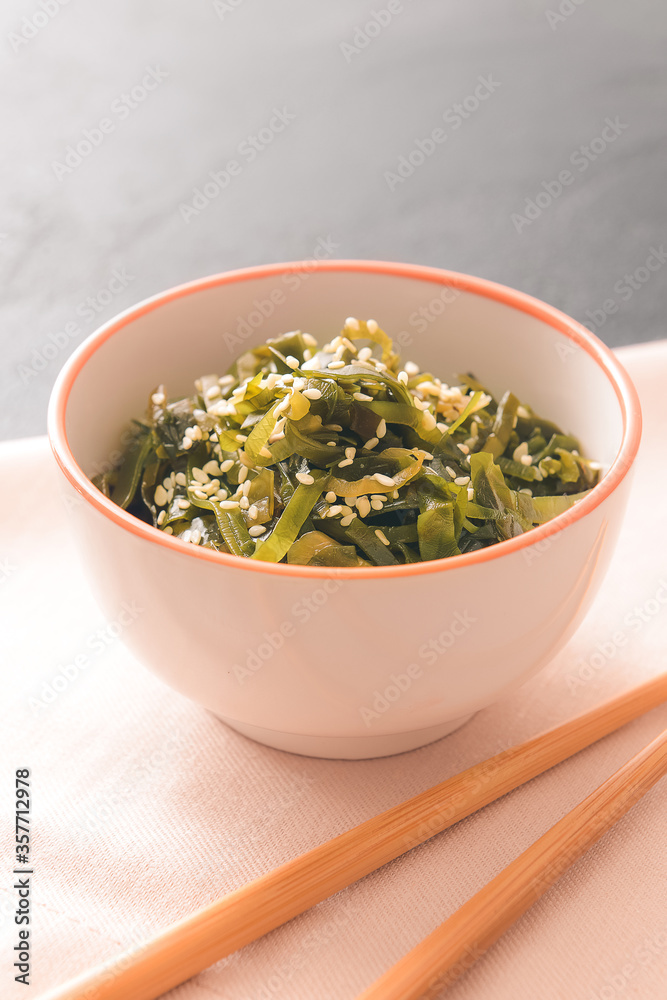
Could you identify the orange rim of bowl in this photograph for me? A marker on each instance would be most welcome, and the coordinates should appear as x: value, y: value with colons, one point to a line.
x: 583, y: 338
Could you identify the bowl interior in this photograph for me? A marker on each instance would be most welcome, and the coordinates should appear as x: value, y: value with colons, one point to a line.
x: 445, y: 329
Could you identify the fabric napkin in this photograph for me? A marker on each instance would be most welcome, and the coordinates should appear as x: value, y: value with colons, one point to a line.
x: 145, y: 807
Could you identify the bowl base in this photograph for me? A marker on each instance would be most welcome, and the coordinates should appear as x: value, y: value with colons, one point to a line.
x: 346, y: 747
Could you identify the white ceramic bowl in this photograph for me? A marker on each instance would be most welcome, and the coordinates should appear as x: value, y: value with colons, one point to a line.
x: 352, y: 662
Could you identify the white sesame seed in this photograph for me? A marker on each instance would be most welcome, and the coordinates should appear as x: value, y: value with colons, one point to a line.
x: 245, y: 487
x: 195, y: 536
x: 336, y: 364
x: 185, y: 535
x: 526, y: 459
x: 264, y: 452
x: 241, y: 438
x: 332, y: 427
x: 381, y: 535
x: 199, y: 494
x: 331, y: 444
x: 244, y: 503
x: 305, y: 478
x: 212, y: 392
x: 162, y: 517
x: 221, y: 495
x: 256, y: 530
x: 371, y: 326
x: 180, y: 479
x: 199, y: 475
x: 370, y: 444
x: 462, y: 480
x: 471, y: 493
x: 160, y: 496
x: 381, y: 429
x: 351, y: 323
x: 168, y: 530
x: 330, y: 497
x: 183, y: 504
x: 345, y: 521
x: 442, y: 428
x: 421, y: 404
x: 428, y: 421
x: 229, y: 504
x: 411, y: 368
x: 451, y: 471
x: 350, y: 452
x: 243, y: 474
x: 522, y: 412
x: 292, y: 361
x: 395, y: 494
x: 158, y: 398
x: 299, y: 384
x: 282, y: 405
x: 364, y: 354
x: 384, y: 480
x: 312, y: 393
x: 186, y: 444
x: 363, y: 506
x: 403, y: 377
x: 170, y: 494
x: 519, y: 451
x: 212, y: 468
x: 361, y: 397
x: 379, y: 496
x: 464, y: 448
x: 526, y: 490
x: 376, y: 504
x: 253, y: 512
x: 336, y: 509
x: 346, y: 461
x: 226, y: 465
x: 309, y: 339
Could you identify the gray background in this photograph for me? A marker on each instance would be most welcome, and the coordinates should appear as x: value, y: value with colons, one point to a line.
x: 356, y: 112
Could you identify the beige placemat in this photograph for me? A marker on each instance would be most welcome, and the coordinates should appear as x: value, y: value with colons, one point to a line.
x: 146, y: 808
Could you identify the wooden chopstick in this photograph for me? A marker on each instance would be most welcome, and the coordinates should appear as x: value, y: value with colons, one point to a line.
x: 191, y: 945
x: 458, y: 942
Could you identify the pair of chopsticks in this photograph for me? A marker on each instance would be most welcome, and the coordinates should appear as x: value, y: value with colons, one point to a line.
x: 191, y: 945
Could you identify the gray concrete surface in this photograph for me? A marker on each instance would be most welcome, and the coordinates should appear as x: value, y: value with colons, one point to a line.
x: 357, y: 85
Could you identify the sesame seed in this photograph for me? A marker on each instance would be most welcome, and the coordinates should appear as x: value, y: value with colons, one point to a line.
x: 226, y: 465
x: 270, y: 380
x: 212, y: 468
x: 336, y: 509
x: 292, y: 361
x: 330, y: 497
x: 168, y: 530
x: 160, y: 496
x: 243, y: 474
x: 350, y: 452
x: 186, y: 444
x: 282, y: 405
x: 305, y: 478
x: 451, y: 471
x: 376, y: 504
x: 221, y: 495
x: 229, y: 504
x: 256, y: 530
x: 421, y: 404
x: 213, y: 392
x: 162, y: 517
x: 526, y: 490
x: 464, y: 448
x: 299, y: 384
x: 522, y: 412
x: 379, y: 496
x: 312, y: 393
x: 180, y: 479
x: 195, y: 536
x: 346, y: 461
x: 384, y: 480
x: 364, y: 354
x: 170, y: 494
x: 183, y: 504
x: 309, y: 339
x: 442, y: 428
x: 361, y: 397
x: 333, y: 427
x: 519, y: 451
x: 264, y: 452
x: 381, y: 535
x: 226, y: 380
x: 336, y: 364
x: 352, y: 323
x: 245, y: 487
x: 253, y: 512
x: 381, y: 429
x: 371, y: 326
x: 363, y: 506
x: 411, y: 368
x: 403, y: 377
x: 428, y: 421
x: 395, y: 494
x: 241, y: 438
x: 462, y: 480
x: 526, y: 459
x: 370, y: 444
x: 471, y: 493
x: 199, y: 494
x: 345, y: 521
x: 158, y: 398
x: 244, y: 503
x: 199, y: 475
x: 331, y: 444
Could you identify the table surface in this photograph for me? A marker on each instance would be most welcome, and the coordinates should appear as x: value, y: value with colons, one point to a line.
x: 120, y: 111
